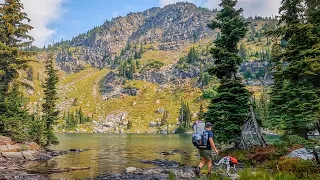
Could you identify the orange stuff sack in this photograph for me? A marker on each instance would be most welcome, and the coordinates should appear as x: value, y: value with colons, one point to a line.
x: 233, y: 160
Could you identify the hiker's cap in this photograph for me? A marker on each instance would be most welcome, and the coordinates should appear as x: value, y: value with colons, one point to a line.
x: 208, y: 124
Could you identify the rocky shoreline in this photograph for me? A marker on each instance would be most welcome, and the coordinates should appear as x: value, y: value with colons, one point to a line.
x: 15, y: 157
x: 164, y: 169
x: 186, y: 173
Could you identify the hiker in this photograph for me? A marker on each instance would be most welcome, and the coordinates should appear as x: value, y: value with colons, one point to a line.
x: 206, y: 153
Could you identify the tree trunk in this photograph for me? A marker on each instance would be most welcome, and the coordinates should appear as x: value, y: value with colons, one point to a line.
x: 302, y: 133
x: 318, y: 126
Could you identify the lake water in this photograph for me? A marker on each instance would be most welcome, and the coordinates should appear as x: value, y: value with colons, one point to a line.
x: 112, y: 153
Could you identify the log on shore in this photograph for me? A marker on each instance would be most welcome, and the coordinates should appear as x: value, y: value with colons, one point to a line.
x: 57, y: 170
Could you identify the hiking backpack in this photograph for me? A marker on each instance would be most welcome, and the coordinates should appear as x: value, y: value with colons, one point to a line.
x: 200, y: 136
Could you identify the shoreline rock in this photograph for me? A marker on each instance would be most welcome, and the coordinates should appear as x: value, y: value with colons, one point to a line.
x: 13, y: 157
x: 185, y: 173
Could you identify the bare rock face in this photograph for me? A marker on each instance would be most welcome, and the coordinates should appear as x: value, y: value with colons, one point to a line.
x: 113, y: 123
x: 130, y: 91
x: 111, y: 85
x: 68, y: 63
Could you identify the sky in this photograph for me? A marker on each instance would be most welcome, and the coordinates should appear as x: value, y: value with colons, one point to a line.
x: 54, y: 20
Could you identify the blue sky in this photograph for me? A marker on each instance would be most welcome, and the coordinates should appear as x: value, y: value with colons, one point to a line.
x: 56, y: 19
x: 82, y: 15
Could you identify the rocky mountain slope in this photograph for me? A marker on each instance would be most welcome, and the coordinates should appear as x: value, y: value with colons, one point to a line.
x: 132, y: 73
x: 172, y: 27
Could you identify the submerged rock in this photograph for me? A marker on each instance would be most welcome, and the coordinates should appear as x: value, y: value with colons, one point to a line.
x: 163, y: 163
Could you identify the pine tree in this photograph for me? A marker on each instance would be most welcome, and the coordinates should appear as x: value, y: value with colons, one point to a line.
x: 201, y: 112
x: 165, y: 117
x: 201, y: 76
x: 218, y: 36
x: 14, y: 118
x: 192, y: 56
x: 140, y: 51
x: 243, y: 51
x: 13, y: 37
x: 296, y: 95
x: 50, y: 114
x: 185, y: 115
x: 229, y: 109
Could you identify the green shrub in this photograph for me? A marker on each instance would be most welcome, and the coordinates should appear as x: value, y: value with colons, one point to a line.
x: 153, y: 65
x: 172, y: 176
x: 181, y: 129
x: 297, y: 166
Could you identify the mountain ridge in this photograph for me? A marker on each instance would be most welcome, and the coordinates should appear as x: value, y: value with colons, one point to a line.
x: 176, y: 23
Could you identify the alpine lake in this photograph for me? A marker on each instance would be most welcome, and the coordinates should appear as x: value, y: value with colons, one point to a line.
x: 113, y: 153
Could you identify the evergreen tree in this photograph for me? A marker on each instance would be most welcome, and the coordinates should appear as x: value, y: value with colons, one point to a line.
x: 201, y: 76
x: 201, y: 112
x: 218, y: 36
x: 165, y: 117
x: 248, y: 74
x: 296, y: 95
x: 185, y: 115
x: 13, y: 37
x: 243, y: 51
x: 14, y: 118
x: 140, y: 51
x: 192, y: 56
x: 229, y: 109
x: 50, y: 114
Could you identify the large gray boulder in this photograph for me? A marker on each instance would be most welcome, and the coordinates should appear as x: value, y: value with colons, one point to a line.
x: 28, y: 155
x: 13, y: 155
x: 302, y: 153
x: 153, y: 124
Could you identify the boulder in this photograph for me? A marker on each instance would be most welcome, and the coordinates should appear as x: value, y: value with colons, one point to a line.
x: 33, y: 146
x: 160, y: 110
x: 108, y: 124
x: 153, y: 124
x: 3, y: 148
x: 302, y: 153
x: 28, y: 155
x: 13, y: 155
x: 130, y: 169
x: 11, y: 148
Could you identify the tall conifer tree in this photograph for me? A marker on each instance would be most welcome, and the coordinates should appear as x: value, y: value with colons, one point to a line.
x: 295, y: 96
x: 229, y: 109
x: 50, y: 114
x: 14, y: 120
x: 13, y: 37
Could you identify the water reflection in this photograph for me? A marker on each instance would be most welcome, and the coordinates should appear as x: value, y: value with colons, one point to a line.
x: 112, y: 153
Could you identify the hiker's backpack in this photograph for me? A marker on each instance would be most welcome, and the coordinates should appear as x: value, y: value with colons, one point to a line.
x: 233, y: 160
x: 200, y: 137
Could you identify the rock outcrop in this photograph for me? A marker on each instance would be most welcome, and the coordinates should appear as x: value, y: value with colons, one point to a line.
x: 113, y: 123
